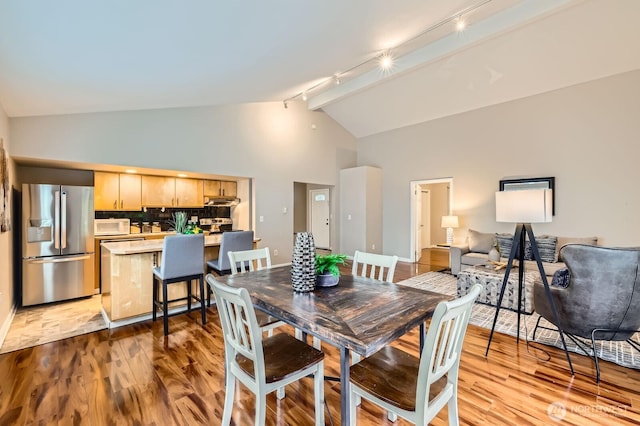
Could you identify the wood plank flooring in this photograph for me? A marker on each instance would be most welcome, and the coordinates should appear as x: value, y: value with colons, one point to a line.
x: 134, y: 376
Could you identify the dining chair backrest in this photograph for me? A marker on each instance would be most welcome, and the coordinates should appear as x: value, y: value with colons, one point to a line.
x: 374, y: 265
x: 233, y: 241
x: 182, y: 255
x: 242, y: 335
x: 252, y: 260
x: 441, y: 352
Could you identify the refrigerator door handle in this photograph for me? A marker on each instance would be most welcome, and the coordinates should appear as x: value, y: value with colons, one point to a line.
x: 63, y: 219
x: 56, y: 221
x: 58, y: 259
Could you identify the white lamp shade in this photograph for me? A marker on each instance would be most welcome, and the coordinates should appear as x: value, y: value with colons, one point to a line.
x: 524, y: 206
x: 449, y: 221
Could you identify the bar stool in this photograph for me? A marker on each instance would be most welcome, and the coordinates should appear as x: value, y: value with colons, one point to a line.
x: 182, y: 261
x: 230, y: 241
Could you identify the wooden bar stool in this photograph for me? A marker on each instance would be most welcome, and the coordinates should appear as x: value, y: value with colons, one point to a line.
x: 182, y: 261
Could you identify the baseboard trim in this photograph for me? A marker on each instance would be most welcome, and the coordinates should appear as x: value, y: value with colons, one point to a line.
x: 4, y: 330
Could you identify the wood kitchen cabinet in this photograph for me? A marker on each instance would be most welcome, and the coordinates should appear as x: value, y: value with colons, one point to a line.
x: 220, y: 188
x: 158, y: 191
x: 163, y: 191
x: 117, y: 191
x: 189, y: 192
x: 228, y: 188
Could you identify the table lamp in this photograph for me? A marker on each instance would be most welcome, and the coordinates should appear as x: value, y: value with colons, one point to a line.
x: 449, y: 222
x: 525, y: 207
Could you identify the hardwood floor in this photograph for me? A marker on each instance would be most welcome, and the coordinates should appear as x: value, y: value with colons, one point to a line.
x: 134, y: 376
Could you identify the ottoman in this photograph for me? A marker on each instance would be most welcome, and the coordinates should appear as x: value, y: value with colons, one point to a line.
x: 491, y: 281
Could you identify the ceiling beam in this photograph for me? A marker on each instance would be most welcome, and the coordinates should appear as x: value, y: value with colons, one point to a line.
x: 504, y: 21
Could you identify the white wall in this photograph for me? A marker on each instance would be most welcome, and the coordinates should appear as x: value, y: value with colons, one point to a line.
x: 263, y: 141
x: 587, y: 136
x: 6, y: 244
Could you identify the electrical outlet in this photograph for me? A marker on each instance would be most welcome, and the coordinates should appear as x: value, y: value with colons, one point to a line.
x: 373, y: 246
x: 261, y: 219
x: 275, y: 252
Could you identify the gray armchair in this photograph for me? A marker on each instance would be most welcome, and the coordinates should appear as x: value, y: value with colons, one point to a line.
x: 602, y: 298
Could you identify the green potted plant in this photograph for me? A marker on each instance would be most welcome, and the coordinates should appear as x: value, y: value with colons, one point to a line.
x: 327, y: 270
x: 178, y: 222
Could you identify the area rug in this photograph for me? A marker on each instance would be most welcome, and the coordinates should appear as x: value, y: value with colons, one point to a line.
x: 482, y: 315
x: 37, y: 325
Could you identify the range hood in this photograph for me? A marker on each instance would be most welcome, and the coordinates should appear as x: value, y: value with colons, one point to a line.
x: 221, y: 201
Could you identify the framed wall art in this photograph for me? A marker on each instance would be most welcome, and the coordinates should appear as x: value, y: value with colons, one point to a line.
x: 532, y: 183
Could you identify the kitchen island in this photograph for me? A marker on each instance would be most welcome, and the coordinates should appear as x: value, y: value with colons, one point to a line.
x: 127, y: 278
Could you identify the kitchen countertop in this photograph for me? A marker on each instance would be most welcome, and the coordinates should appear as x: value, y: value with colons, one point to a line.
x: 136, y: 235
x: 150, y: 246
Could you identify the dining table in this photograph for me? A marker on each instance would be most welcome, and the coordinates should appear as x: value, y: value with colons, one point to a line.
x: 359, y: 315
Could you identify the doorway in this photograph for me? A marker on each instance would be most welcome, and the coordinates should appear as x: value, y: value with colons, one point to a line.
x: 430, y: 200
x: 312, y: 212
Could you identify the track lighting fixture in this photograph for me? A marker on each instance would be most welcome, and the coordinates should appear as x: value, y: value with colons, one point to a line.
x: 385, y: 59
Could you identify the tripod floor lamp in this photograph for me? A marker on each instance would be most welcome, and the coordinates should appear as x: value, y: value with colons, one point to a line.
x: 525, y: 207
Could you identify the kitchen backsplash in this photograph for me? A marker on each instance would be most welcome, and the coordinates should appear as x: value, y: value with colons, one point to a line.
x: 157, y: 215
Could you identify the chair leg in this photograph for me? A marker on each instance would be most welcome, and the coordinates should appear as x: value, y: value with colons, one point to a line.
x: 352, y: 401
x: 189, y: 295
x: 165, y: 308
x: 203, y: 308
x: 318, y: 380
x: 261, y: 408
x: 280, y: 393
x: 453, y: 406
x: 533, y: 336
x: 228, y: 398
x: 155, y: 299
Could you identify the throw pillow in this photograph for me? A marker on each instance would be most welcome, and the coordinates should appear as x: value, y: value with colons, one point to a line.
x: 480, y: 242
x: 547, y: 247
x: 563, y: 241
x: 505, y: 241
x: 528, y: 254
x: 561, y: 278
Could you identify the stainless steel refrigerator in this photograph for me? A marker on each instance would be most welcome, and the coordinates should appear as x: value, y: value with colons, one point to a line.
x: 57, y: 243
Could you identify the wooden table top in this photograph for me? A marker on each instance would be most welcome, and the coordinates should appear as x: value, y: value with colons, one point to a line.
x: 360, y: 314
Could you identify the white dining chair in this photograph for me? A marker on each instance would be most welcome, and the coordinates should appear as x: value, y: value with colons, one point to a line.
x: 254, y: 260
x: 262, y: 365
x: 249, y: 260
x: 377, y: 266
x: 415, y: 388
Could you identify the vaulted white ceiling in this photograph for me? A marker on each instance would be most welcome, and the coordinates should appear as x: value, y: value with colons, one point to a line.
x: 76, y: 56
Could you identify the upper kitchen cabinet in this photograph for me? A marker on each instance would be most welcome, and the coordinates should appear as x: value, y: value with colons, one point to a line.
x: 163, y: 191
x: 228, y: 188
x: 116, y: 191
x: 158, y: 191
x: 189, y: 192
x: 220, y: 188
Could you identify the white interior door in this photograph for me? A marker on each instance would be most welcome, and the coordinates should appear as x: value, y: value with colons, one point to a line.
x: 426, y: 218
x: 320, y: 224
x: 417, y: 226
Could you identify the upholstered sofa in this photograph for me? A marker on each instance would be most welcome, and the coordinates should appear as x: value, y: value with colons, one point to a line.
x: 478, y: 244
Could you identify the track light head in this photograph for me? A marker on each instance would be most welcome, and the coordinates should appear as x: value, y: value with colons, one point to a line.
x: 286, y: 105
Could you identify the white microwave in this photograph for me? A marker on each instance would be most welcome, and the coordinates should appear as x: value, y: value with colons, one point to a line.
x: 111, y: 227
